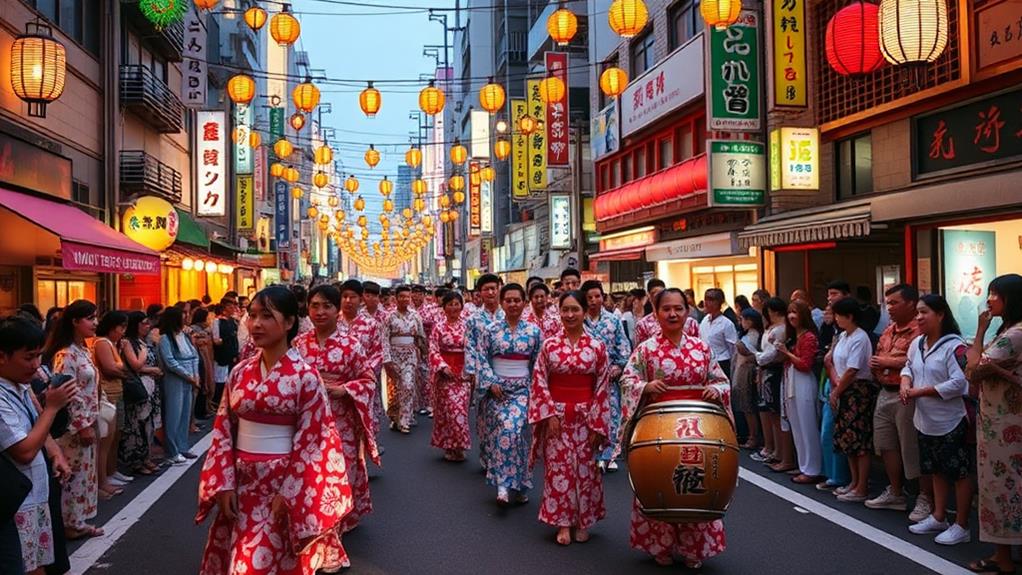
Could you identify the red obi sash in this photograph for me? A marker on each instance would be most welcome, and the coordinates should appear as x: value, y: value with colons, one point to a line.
x: 571, y: 387
x: 455, y: 360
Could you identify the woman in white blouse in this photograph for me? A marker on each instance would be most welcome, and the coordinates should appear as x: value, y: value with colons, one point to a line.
x: 779, y: 450
x: 934, y: 378
x: 853, y: 397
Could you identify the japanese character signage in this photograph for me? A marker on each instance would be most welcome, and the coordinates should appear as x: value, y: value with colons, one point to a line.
x: 669, y: 85
x: 795, y: 159
x: 246, y: 202
x: 193, y: 64
x: 537, y: 139
x: 276, y: 124
x: 152, y: 222
x: 998, y: 33
x: 282, y: 216
x: 975, y: 133
x: 519, y: 154
x: 557, y: 141
x: 737, y: 175
x: 970, y: 262
x: 259, y: 173
x: 486, y: 208
x: 733, y: 100
x: 789, y: 58
x: 240, y: 136
x: 560, y: 221
x: 475, y: 213
x: 211, y: 162
x: 604, y: 138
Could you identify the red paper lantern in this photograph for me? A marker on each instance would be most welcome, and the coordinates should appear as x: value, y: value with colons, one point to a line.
x: 853, y: 40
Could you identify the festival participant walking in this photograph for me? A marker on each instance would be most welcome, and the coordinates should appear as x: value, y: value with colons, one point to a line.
x: 275, y: 468
x: 347, y: 374
x: 403, y: 329
x: 649, y: 326
x: 508, y: 350
x: 539, y: 313
x: 606, y: 327
x: 673, y: 366
x: 569, y: 409
x: 451, y: 387
x: 355, y: 321
x: 488, y: 313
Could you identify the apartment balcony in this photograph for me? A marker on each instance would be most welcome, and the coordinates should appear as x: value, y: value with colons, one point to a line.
x: 144, y: 175
x: 151, y: 99
x: 168, y: 42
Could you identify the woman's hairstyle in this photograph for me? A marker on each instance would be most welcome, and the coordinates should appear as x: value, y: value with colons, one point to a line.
x: 1009, y: 288
x: 64, y: 335
x: 567, y: 273
x: 110, y: 321
x: 283, y: 301
x: 742, y: 303
x: 450, y: 296
x: 200, y: 316
x: 937, y: 303
x: 135, y: 319
x: 19, y: 332
x: 663, y: 293
x: 486, y: 279
x: 590, y: 285
x: 512, y: 287
x: 848, y: 307
x: 575, y: 295
x: 805, y: 320
x: 301, y: 296
x: 30, y: 311
x: 172, y: 321
x: 776, y: 305
x: 349, y: 285
x: 330, y: 293
x: 538, y: 286
x: 755, y: 317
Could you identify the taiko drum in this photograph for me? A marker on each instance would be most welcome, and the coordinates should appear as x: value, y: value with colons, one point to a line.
x: 683, y: 461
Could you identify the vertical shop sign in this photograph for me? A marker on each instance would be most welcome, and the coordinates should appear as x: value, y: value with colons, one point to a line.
x: 733, y: 96
x: 789, y: 58
x: 210, y: 160
x: 193, y: 76
x: 282, y: 216
x: 560, y: 221
x: 246, y: 202
x: 259, y: 173
x: 519, y: 153
x: 480, y: 130
x: 970, y: 262
x: 276, y: 124
x: 737, y: 174
x: 537, y: 140
x: 475, y: 214
x: 557, y: 113
x: 242, y: 129
x: 486, y: 208
x: 795, y: 159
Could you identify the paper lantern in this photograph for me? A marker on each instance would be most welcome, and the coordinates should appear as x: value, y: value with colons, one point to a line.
x: 453, y: 215
x: 351, y: 184
x: 458, y: 153
x: 211, y: 267
x: 312, y: 212
x: 152, y: 222
x: 370, y: 101
x: 551, y: 89
x: 457, y: 182
x: 241, y: 89
x: 853, y: 40
x: 627, y: 17
x: 297, y: 121
x: 187, y: 264
x: 413, y: 157
x: 276, y: 169
x: 407, y: 213
x: 502, y: 148
x: 340, y: 215
x: 333, y: 201
x: 913, y: 31
x: 305, y: 96
x: 458, y: 196
x: 372, y: 157
x: 320, y: 180
x: 492, y: 97
x: 562, y: 25
x: 291, y: 174
x: 419, y: 187
x: 720, y: 13
x: 613, y: 81
x: 206, y: 4
x: 419, y: 204
x: 527, y: 124
x: 284, y: 27
x: 254, y: 140
x: 255, y: 17
x: 360, y: 204
x: 323, y: 155
x: 388, y: 206
x: 475, y: 178
x: 431, y: 99
x: 487, y: 174
x: 297, y: 193
x: 283, y: 148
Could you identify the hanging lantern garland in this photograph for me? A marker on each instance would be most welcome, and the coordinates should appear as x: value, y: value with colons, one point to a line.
x: 431, y: 99
x: 413, y: 157
x: 297, y: 121
x: 163, y: 13
x: 853, y: 40
x: 370, y: 101
x: 305, y: 96
x: 551, y: 89
x: 502, y: 148
x: 241, y: 89
x: 492, y: 97
x: 372, y: 157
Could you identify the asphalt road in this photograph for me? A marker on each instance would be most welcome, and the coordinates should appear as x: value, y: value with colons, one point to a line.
x: 437, y: 517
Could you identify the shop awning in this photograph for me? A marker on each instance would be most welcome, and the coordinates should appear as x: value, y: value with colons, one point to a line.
x: 625, y: 254
x: 680, y: 181
x: 86, y: 243
x: 819, y: 224
x: 189, y: 231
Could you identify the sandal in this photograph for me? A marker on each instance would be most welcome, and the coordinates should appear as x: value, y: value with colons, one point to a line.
x: 581, y: 535
x: 988, y: 566
x: 564, y: 537
x: 89, y: 532
x: 778, y: 468
x: 803, y: 479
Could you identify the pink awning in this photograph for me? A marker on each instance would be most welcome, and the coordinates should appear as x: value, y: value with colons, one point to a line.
x: 86, y: 243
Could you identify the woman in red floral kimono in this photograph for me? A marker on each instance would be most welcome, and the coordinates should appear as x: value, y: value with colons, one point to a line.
x: 451, y: 388
x: 348, y: 375
x: 569, y: 408
x: 275, y: 468
x: 668, y: 367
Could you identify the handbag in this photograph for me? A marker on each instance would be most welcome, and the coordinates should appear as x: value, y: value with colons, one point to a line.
x: 134, y: 391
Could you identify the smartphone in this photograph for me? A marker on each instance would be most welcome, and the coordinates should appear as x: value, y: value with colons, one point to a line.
x: 59, y: 379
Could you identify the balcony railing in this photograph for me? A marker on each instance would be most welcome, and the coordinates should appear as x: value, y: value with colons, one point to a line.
x: 143, y: 174
x: 151, y: 99
x: 169, y: 42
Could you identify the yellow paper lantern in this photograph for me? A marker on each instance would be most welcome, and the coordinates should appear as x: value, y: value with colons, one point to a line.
x: 277, y: 169
x: 492, y: 97
x: 913, y: 31
x: 305, y: 96
x: 407, y: 213
x: 502, y: 148
x: 255, y: 17
x: 627, y: 17
x: 241, y: 89
x: 613, y: 81
x: 206, y: 4
x: 445, y: 201
x: 283, y: 148
x: 339, y: 215
x: 370, y: 101
x: 323, y: 226
x: 372, y: 157
x: 297, y: 121
x: 388, y: 206
x: 297, y: 193
x: 360, y: 204
x: 152, y: 222
x: 284, y: 27
x: 187, y: 264
x: 351, y: 184
x: 386, y: 186
x: 475, y: 178
x: 38, y: 68
x: 324, y: 219
x: 361, y: 221
x: 488, y: 174
x: 431, y: 99
x: 291, y: 174
x: 254, y: 140
x: 312, y: 212
x: 427, y: 220
x: 419, y: 204
x: 720, y: 13
x: 551, y: 89
x: 527, y: 124
x: 320, y: 180
x: 453, y: 214
x: 413, y: 157
x: 323, y: 155
x: 333, y: 201
x: 457, y: 182
x: 459, y: 197
x: 562, y: 25
x: 458, y: 153
x: 419, y: 187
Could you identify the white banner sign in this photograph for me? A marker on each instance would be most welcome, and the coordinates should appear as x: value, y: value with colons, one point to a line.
x: 486, y: 208
x: 193, y: 69
x: 560, y: 221
x: 713, y: 245
x: 480, y: 120
x: 242, y: 129
x: 210, y: 162
x: 664, y: 88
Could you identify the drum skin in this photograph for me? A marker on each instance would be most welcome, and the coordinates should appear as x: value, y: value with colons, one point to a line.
x: 683, y: 461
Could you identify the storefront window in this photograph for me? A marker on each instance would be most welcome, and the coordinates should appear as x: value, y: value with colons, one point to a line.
x: 686, y: 22
x: 615, y: 175
x: 855, y: 166
x: 734, y: 280
x: 59, y: 293
x: 626, y: 169
x: 666, y: 156
x: 642, y: 54
x: 640, y: 162
x: 684, y: 138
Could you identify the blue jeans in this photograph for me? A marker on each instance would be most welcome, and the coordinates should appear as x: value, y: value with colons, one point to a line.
x: 835, y: 465
x: 177, y: 411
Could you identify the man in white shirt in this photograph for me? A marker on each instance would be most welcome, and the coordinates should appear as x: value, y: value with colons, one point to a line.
x: 717, y: 331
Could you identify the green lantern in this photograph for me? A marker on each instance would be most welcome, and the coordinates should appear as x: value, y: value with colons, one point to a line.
x: 163, y: 13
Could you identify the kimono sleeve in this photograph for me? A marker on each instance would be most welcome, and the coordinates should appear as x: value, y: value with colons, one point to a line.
x: 541, y: 404
x: 634, y: 380
x: 598, y: 418
x: 436, y: 361
x: 472, y: 343
x: 716, y: 379
x: 218, y: 470
x: 619, y: 346
x: 485, y: 372
x: 385, y: 339
x: 374, y: 347
x: 361, y: 393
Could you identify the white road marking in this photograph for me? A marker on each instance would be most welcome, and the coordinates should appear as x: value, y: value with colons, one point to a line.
x: 92, y: 550
x: 882, y: 538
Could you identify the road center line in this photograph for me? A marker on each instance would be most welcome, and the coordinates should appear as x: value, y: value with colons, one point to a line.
x: 90, y: 552
x: 878, y: 536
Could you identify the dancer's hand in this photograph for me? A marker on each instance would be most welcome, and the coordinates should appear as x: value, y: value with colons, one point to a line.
x: 655, y: 387
x: 711, y: 394
x: 228, y: 502
x: 279, y: 508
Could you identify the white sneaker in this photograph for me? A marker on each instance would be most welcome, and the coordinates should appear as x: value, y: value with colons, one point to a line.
x: 888, y: 500
x: 612, y: 466
x: 954, y: 535
x: 923, y: 508
x: 112, y: 480
x: 503, y: 496
x: 928, y: 525
x: 178, y: 460
x: 122, y: 477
